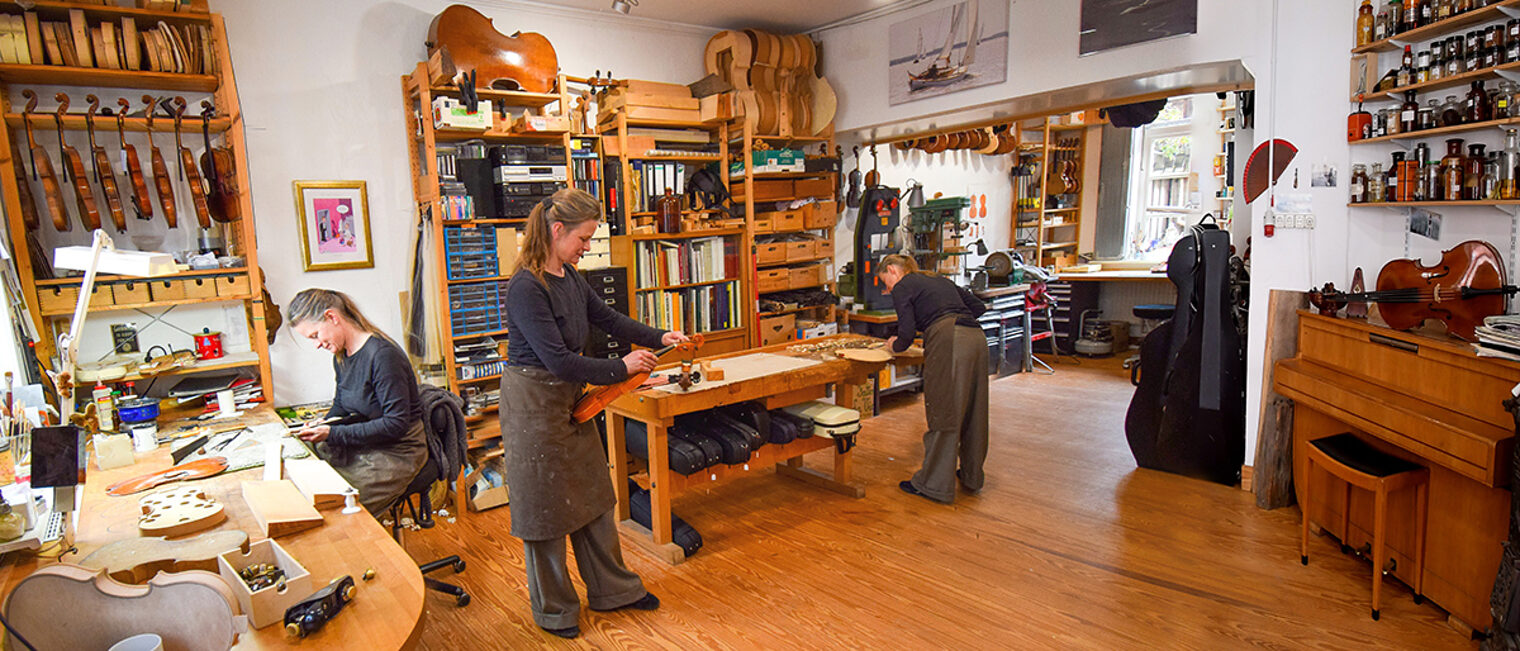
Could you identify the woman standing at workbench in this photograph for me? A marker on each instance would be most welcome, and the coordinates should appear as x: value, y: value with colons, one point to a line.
x: 379, y: 446
x: 557, y: 468
x: 955, y: 375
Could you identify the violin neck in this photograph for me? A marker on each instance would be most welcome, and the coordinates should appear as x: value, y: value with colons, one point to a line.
x: 1507, y: 290
x: 1408, y: 296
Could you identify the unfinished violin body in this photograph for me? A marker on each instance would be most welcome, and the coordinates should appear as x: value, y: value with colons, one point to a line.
x: 523, y: 61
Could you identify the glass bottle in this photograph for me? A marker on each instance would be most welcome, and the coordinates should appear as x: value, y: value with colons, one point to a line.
x: 1512, y: 40
x: 1395, y: 17
x: 1472, y: 51
x: 1427, y: 12
x: 1464, y: 6
x: 668, y: 212
x: 1490, y: 52
x: 1452, y: 170
x: 1411, y: 14
x: 1427, y: 117
x: 1398, y: 187
x: 1377, y: 183
x: 1490, y: 189
x: 1479, y: 108
x: 1391, y: 180
x: 1358, y: 183
x: 1388, y: 121
x: 1451, y: 112
x: 1472, y: 179
x: 1406, y: 74
x: 1432, y: 184
x: 1453, y: 56
x: 1364, y: 28
x: 1444, y: 9
x: 1501, y: 45
x: 1422, y: 67
x: 1408, y: 112
x: 1508, y: 160
x: 1437, y: 64
x: 1380, y: 27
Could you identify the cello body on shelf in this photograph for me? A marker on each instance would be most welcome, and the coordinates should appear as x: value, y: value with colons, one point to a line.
x: 1468, y: 284
x: 1188, y: 412
x: 523, y: 61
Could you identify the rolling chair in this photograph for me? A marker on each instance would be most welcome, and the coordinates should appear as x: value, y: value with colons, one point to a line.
x: 1149, y: 314
x: 436, y: 469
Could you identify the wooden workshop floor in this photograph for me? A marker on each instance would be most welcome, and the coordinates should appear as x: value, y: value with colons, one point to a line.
x: 1069, y: 546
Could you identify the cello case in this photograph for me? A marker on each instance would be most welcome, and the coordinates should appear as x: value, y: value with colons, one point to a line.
x: 1188, y: 413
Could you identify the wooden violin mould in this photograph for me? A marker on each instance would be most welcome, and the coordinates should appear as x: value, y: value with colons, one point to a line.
x: 1468, y: 284
x: 220, y: 173
x: 523, y: 61
x: 178, y: 511
x: 774, y: 80
x: 160, y: 170
x: 596, y: 400
x: 104, y: 173
x: 135, y: 560
x: 42, y: 167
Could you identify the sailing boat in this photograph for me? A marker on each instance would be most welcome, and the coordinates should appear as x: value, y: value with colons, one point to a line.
x: 943, y: 70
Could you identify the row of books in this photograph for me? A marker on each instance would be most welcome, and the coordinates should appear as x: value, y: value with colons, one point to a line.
x: 662, y: 263
x: 458, y: 207
x: 697, y: 309
x: 651, y: 178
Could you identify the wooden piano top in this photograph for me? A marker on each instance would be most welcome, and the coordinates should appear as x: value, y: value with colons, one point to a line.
x: 1431, y: 396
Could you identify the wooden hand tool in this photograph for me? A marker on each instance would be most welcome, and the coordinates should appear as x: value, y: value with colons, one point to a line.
x: 105, y: 174
x: 131, y: 166
x: 197, y: 469
x: 160, y: 170
x: 73, y: 171
x: 42, y: 167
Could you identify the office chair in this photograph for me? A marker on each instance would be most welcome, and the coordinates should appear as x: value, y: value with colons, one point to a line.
x: 434, y: 470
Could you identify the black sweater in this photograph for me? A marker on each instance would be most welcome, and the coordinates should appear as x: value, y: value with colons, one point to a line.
x: 375, y: 387
x: 547, y: 328
x: 921, y: 300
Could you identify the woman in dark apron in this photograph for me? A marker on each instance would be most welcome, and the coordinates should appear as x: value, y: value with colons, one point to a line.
x: 955, y: 375
x: 379, y: 445
x: 557, y: 468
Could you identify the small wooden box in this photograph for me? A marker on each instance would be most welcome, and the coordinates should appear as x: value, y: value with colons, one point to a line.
x: 772, y: 280
x: 823, y: 214
x: 166, y: 290
x: 814, y: 188
x: 200, y: 287
x: 58, y: 298
x: 786, y: 220
x: 799, y: 250
x: 131, y: 292
x: 767, y: 252
x: 267, y: 606
x: 778, y: 329
x: 233, y: 286
x: 806, y: 276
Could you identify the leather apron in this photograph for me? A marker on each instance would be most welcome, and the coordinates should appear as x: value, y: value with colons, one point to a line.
x: 380, y: 474
x: 556, y: 468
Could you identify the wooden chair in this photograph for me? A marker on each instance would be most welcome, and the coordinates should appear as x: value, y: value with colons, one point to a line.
x: 1360, y: 465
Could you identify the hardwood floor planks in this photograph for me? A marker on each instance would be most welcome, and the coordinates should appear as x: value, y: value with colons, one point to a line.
x: 1068, y: 546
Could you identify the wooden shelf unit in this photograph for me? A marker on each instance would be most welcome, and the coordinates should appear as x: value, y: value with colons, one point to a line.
x: 1441, y: 27
x: 417, y: 93
x: 240, y: 235
x: 1042, y: 153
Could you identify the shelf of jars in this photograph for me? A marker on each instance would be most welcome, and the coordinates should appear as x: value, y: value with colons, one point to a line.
x: 1451, y: 58
x: 1376, y: 33
x: 1473, y: 177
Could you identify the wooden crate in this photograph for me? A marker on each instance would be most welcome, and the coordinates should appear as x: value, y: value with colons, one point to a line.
x: 200, y: 287
x: 166, y: 290
x: 233, y: 286
x: 787, y: 220
x: 131, y: 292
x: 768, y: 252
x: 772, y: 280
x: 778, y: 329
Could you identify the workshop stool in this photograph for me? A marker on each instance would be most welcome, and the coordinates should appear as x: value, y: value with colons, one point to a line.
x: 1150, y: 315
x: 1037, y: 300
x: 1357, y: 463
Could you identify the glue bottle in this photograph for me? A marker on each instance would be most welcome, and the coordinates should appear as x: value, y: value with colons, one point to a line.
x: 105, y: 407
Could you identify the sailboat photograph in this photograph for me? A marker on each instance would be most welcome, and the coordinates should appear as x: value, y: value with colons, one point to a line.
x: 961, y: 32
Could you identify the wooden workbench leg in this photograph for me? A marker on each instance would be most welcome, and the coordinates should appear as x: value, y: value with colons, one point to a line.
x: 617, y: 464
x: 659, y: 485
x: 843, y: 465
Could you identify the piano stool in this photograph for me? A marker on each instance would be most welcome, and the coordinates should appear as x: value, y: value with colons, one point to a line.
x: 1359, y: 464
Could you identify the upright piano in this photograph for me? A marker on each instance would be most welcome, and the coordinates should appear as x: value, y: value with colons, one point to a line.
x: 1428, y: 399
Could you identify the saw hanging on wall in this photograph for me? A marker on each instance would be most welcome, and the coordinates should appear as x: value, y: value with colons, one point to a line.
x: 470, y: 43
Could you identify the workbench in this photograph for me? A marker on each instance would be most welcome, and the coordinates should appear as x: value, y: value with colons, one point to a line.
x: 385, y: 614
x: 657, y: 409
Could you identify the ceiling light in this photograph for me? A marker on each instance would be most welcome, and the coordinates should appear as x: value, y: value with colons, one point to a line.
x: 622, y: 6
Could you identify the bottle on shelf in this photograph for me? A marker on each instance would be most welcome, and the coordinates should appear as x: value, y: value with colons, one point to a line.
x: 1358, y: 184
x: 1491, y: 176
x: 1427, y: 117
x: 1406, y: 68
x: 1391, y: 191
x: 105, y: 408
x: 1422, y: 67
x: 1409, y: 113
x: 1377, y: 183
x: 1512, y: 40
x: 1444, y: 9
x: 1364, y: 28
x: 1411, y: 14
x: 668, y: 212
x: 1464, y: 6
x: 1472, y: 180
x: 1452, y: 171
x: 1500, y: 98
x: 1472, y: 51
x: 1395, y: 17
x: 1427, y: 12
x: 1479, y: 108
x: 1509, y: 159
x: 1452, y: 56
x: 1437, y: 61
x: 1489, y: 56
x: 1452, y: 112
x: 1380, y: 27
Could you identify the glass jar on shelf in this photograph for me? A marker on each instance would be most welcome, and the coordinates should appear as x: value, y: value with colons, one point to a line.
x: 1427, y: 116
x: 1472, y: 179
x: 1499, y: 97
x: 1453, y: 168
x: 1452, y: 112
x: 1444, y: 9
x: 1490, y: 189
x: 1364, y: 28
x: 1358, y: 185
x: 1431, y: 181
x: 1508, y: 160
x: 1479, y: 109
x: 1377, y: 183
x: 1453, y: 56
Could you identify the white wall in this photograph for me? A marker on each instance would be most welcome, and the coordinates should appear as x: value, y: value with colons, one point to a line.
x: 321, y: 95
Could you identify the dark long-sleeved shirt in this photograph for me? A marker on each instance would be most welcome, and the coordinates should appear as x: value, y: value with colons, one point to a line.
x: 920, y: 300
x: 376, y: 388
x: 550, y: 333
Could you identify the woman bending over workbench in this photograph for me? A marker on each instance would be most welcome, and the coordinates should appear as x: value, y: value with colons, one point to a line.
x: 955, y: 375
x: 379, y: 446
x: 557, y: 468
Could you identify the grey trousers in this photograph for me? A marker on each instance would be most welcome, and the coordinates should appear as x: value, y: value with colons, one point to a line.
x: 598, y: 556
x: 955, y: 405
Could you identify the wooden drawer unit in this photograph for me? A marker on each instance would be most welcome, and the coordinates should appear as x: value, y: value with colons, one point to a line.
x: 823, y: 188
x: 778, y: 329
x: 803, y: 250
x: 772, y: 280
x: 233, y: 286
x: 763, y: 223
x: 132, y: 292
x: 766, y: 190
x: 166, y: 290
x: 57, y: 298
x: 784, y: 221
x: 823, y: 214
x: 100, y: 296
x: 200, y: 287
x: 768, y: 252
x: 806, y: 276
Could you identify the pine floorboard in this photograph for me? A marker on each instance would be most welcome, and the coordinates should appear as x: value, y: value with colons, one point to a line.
x: 1068, y: 546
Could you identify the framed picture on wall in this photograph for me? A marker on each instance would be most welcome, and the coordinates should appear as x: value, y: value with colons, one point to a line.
x: 1107, y: 24
x: 334, y: 219
x: 961, y: 46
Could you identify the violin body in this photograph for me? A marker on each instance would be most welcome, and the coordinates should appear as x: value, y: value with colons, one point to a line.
x: 108, y: 188
x: 52, y: 192
x: 24, y: 191
x: 197, y: 469
x: 197, y: 188
x: 84, y: 196
x: 139, y: 185
x: 523, y: 61
x: 597, y: 400
x: 165, y: 189
x: 221, y: 198
x: 1466, y: 285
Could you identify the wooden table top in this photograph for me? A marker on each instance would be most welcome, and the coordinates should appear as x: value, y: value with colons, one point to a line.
x: 386, y: 613
x: 1136, y: 274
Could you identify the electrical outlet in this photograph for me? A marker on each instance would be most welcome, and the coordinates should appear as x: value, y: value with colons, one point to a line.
x: 1309, y: 221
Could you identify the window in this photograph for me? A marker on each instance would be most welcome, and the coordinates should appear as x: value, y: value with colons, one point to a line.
x: 1163, y: 199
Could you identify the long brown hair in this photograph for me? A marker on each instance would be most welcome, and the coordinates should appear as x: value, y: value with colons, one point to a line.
x: 571, y: 207
x: 310, y: 304
x: 907, y: 264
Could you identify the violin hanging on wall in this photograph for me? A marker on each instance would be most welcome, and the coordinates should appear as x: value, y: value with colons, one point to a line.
x: 1468, y: 284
